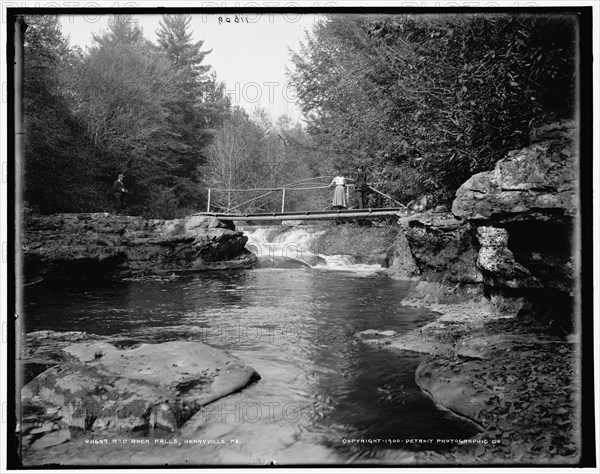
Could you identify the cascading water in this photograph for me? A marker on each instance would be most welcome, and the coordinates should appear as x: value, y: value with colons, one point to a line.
x: 297, y: 247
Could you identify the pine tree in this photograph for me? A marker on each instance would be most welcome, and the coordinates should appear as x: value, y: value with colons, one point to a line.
x: 199, y: 109
x: 122, y: 29
x: 175, y: 37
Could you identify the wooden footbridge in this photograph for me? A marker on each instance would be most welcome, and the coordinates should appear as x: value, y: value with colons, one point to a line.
x: 232, y: 211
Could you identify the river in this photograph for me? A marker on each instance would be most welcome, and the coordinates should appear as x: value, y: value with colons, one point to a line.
x: 323, y: 397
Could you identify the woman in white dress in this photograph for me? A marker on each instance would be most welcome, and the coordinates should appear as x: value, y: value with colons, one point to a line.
x: 339, y: 194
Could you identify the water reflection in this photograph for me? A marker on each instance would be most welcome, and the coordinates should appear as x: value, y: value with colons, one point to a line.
x: 319, y: 386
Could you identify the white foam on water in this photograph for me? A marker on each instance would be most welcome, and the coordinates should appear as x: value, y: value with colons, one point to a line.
x: 291, y: 248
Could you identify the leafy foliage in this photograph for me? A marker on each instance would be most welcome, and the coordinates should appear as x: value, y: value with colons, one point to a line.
x: 57, y: 165
x: 423, y: 101
x: 124, y: 89
x: 125, y: 105
x: 433, y: 98
x: 252, y: 159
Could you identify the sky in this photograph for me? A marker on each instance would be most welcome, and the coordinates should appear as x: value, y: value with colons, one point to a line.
x: 250, y: 56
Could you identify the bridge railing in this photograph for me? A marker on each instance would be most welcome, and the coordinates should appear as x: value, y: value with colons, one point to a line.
x: 268, y: 198
x: 279, y: 197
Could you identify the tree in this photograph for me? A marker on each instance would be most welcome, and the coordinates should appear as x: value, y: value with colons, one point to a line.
x: 199, y: 108
x: 339, y: 78
x: 57, y: 168
x: 175, y: 37
x: 307, y: 163
x: 426, y: 101
x: 195, y: 84
x: 125, y: 105
x: 124, y: 93
x: 122, y: 30
x: 256, y: 155
x: 234, y: 160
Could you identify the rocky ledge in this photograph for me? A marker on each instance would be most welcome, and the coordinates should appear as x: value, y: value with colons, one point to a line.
x: 518, y: 383
x: 511, y: 236
x: 80, y: 247
x: 502, y: 269
x: 98, y: 387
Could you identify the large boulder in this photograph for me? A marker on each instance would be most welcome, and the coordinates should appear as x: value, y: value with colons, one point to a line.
x: 103, y: 246
x: 524, y: 212
x: 101, y: 387
x: 400, y: 261
x: 538, y: 182
x: 443, y: 248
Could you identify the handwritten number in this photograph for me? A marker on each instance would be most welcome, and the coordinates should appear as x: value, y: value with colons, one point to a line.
x: 236, y: 19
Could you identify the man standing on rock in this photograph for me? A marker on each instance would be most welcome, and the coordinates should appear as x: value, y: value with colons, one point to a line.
x: 119, y: 190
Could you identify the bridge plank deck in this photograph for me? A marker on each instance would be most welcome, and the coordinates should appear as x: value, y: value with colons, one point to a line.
x: 307, y: 215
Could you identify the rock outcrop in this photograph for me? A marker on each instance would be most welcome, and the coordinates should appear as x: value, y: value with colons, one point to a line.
x: 511, y: 232
x: 101, y: 387
x: 369, y: 244
x: 399, y: 259
x: 78, y: 247
x: 536, y: 183
x: 524, y: 213
x: 442, y: 247
x: 512, y: 235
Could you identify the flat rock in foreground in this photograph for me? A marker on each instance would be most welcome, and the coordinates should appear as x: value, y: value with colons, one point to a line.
x: 150, y: 386
x: 520, y: 388
x: 518, y: 382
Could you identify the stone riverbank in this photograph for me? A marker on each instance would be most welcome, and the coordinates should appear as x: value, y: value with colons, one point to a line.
x: 74, y: 248
x: 518, y: 382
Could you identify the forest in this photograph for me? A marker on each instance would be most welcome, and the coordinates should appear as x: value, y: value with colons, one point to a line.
x: 421, y: 101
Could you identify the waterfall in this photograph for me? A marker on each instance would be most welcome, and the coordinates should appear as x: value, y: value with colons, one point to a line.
x: 297, y: 247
